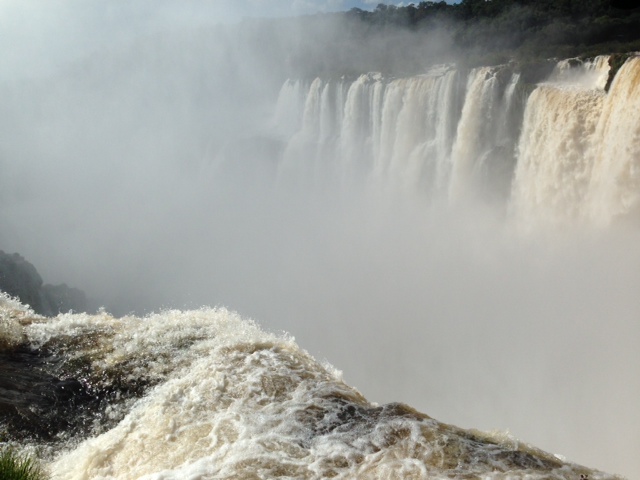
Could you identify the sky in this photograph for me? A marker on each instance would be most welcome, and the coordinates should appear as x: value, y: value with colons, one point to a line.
x: 40, y: 35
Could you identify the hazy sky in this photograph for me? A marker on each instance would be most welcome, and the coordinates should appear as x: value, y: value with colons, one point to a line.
x: 39, y: 34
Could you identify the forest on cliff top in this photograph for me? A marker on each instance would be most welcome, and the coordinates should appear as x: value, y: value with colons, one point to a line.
x: 408, y: 39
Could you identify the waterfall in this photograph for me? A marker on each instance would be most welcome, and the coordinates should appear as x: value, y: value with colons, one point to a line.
x: 483, y: 147
x: 417, y: 129
x: 444, y: 308
x: 554, y: 164
x: 614, y: 187
x: 401, y: 130
x: 427, y: 132
x: 579, y: 152
x: 589, y: 74
x: 562, y: 150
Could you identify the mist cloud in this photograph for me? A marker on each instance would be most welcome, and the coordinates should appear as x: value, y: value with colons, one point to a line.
x: 147, y: 175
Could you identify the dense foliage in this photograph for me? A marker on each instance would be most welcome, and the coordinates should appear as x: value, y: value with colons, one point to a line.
x: 405, y: 40
x: 490, y: 31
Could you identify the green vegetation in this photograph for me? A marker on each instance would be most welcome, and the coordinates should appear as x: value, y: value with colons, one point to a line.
x: 490, y: 31
x: 399, y: 41
x: 19, y: 467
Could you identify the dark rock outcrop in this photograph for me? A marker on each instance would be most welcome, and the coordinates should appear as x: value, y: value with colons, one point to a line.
x: 20, y: 279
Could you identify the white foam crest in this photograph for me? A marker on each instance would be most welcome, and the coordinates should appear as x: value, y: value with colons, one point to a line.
x: 586, y: 74
x: 253, y: 405
x: 141, y: 349
x: 12, y: 315
x: 229, y: 407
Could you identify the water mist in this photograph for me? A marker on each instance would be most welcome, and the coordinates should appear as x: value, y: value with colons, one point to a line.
x: 455, y: 240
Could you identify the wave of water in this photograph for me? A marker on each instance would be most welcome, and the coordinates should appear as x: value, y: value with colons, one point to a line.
x: 220, y: 398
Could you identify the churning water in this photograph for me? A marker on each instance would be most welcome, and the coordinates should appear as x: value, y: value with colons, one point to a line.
x: 220, y: 398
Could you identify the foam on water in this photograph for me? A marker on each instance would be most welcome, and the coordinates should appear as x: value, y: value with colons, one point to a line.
x: 228, y: 400
x: 590, y: 74
x: 12, y: 312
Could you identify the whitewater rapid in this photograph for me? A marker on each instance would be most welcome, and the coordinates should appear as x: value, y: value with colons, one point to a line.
x: 224, y: 399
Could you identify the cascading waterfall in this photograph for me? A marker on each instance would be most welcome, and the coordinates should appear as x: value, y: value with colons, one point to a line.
x: 579, y: 151
x: 555, y: 148
x: 400, y: 129
x: 614, y: 186
x: 415, y: 144
x: 483, y: 144
x: 566, y: 151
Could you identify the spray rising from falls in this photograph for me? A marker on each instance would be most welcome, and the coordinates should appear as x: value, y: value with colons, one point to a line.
x: 564, y: 150
x: 463, y: 317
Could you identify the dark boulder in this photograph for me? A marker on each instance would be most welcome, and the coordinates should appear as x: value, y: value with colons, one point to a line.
x: 21, y: 280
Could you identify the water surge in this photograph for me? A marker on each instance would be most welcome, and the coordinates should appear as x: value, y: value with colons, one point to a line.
x: 223, y: 399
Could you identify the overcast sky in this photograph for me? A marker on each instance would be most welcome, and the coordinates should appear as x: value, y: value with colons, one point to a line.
x: 39, y: 34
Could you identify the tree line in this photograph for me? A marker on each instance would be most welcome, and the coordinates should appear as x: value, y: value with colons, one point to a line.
x: 492, y: 31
